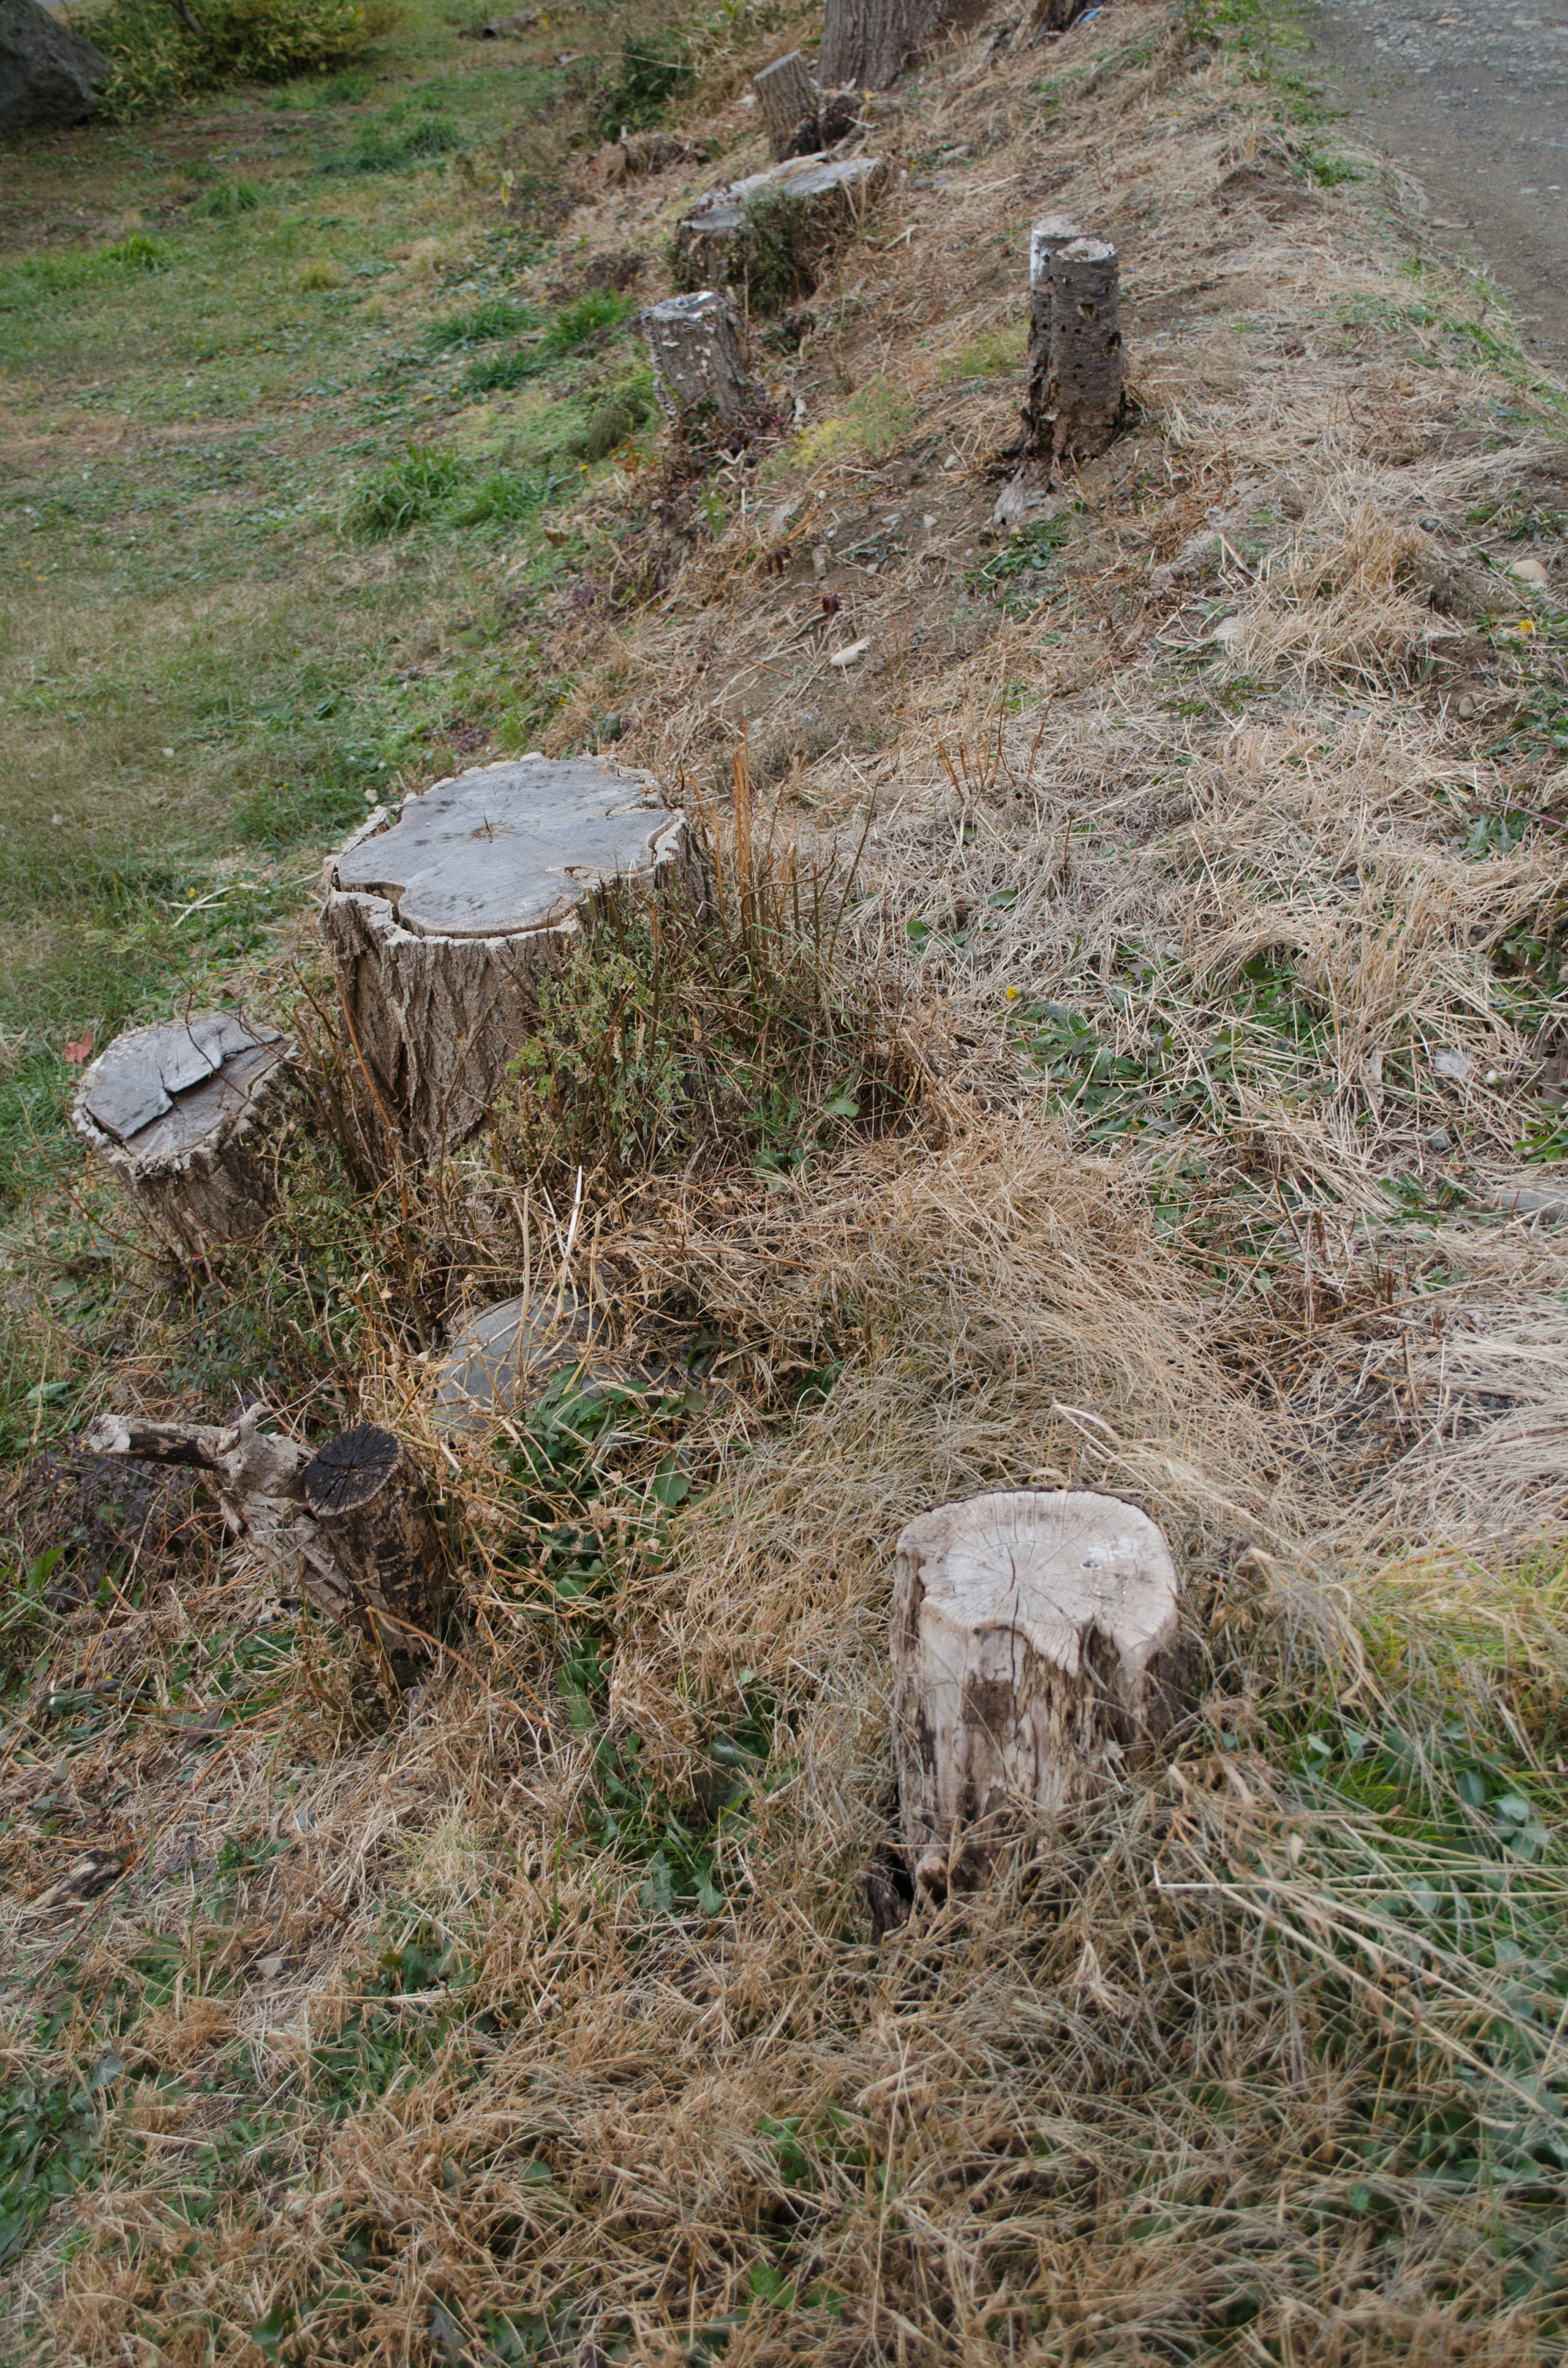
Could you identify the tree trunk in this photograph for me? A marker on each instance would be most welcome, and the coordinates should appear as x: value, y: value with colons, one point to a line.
x: 1088, y: 366
x: 1027, y: 1632
x: 188, y: 1118
x: 1045, y: 241
x: 790, y: 100
x: 442, y: 924
x: 703, y: 384
x: 866, y: 44
x: 373, y: 1518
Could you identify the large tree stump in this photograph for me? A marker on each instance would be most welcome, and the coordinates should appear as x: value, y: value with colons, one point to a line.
x: 798, y: 211
x: 187, y: 1116
x: 867, y: 43
x: 443, y: 923
x: 373, y: 1517
x: 1025, y: 1628
x: 702, y: 378
x: 1045, y: 241
x: 790, y: 99
x: 1088, y: 364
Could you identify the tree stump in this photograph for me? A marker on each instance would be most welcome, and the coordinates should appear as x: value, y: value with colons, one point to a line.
x: 702, y: 381
x: 373, y: 1518
x: 1045, y: 241
x: 1088, y: 365
x: 790, y: 101
x: 442, y: 923
x: 187, y: 1116
x: 867, y: 43
x: 1026, y: 1632
x: 798, y: 212
x: 502, y: 1356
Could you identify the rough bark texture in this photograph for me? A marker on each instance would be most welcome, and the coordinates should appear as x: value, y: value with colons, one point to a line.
x: 373, y: 1517
x: 442, y: 923
x: 1025, y: 1628
x: 790, y: 99
x: 867, y: 43
x: 1045, y: 241
x: 260, y: 1482
x: 824, y: 198
x: 189, y: 1116
x: 1088, y: 367
x: 1055, y: 16
x: 48, y: 73
x: 695, y: 342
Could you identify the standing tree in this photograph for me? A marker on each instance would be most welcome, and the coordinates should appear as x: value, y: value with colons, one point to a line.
x: 866, y: 44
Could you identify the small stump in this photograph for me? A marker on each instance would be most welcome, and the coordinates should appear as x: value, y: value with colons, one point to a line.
x: 1088, y: 363
x: 703, y: 384
x: 798, y: 212
x: 443, y: 921
x: 1027, y: 1630
x: 188, y: 1117
x: 373, y: 1518
x: 1045, y: 241
x: 790, y: 104
x: 503, y: 1356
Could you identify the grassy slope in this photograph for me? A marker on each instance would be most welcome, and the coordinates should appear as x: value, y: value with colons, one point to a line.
x: 480, y: 2028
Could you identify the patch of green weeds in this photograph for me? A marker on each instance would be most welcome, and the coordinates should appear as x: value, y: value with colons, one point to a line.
x: 654, y: 69
x: 226, y: 200
x: 483, y: 324
x: 51, y: 2140
x: 158, y: 60
x: 389, y: 150
x: 1018, y: 576
x: 590, y: 318
x: 1330, y: 170
x: 994, y: 351
x: 613, y: 421
x: 405, y: 493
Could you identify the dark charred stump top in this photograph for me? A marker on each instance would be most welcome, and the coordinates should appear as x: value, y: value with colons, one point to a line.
x: 350, y: 1472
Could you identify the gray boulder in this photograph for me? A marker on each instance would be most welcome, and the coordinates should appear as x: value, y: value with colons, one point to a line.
x: 48, y: 73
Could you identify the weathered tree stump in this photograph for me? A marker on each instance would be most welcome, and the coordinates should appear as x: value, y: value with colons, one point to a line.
x: 701, y: 377
x: 1026, y: 1632
x: 791, y: 101
x: 1088, y: 365
x: 187, y: 1116
x: 502, y: 1356
x: 443, y: 923
x: 867, y: 43
x: 373, y: 1518
x: 1045, y: 241
x: 801, y: 210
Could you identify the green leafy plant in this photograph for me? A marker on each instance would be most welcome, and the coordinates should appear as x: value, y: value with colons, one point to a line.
x: 157, y: 59
x: 499, y: 317
x: 227, y: 199
x: 653, y: 69
x: 404, y: 494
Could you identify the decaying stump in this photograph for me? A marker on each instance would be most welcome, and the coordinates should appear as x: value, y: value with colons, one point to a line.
x: 189, y: 1116
x: 1045, y: 241
x: 1088, y: 364
x: 373, y: 1517
x: 443, y: 921
x: 701, y: 377
x: 380, y: 1552
x: 807, y: 203
x: 1026, y: 1629
x: 790, y: 99
x: 867, y: 43
x: 501, y: 1356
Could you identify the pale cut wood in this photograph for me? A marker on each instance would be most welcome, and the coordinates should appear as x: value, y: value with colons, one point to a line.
x: 1047, y: 238
x: 502, y: 1355
x: 443, y: 920
x: 372, y: 1514
x: 866, y: 44
x: 188, y: 1115
x: 826, y: 196
x: 1088, y: 363
x: 790, y: 99
x: 699, y: 370
x: 1025, y: 1628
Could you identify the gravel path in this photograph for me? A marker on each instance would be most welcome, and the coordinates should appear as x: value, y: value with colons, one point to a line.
x: 1471, y: 96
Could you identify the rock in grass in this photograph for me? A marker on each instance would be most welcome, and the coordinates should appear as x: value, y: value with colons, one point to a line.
x: 443, y: 919
x: 187, y: 1116
x: 48, y: 73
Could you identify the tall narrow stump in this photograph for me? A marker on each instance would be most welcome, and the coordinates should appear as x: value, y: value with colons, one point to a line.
x: 1088, y: 364
x: 1045, y: 241
x: 1026, y: 1632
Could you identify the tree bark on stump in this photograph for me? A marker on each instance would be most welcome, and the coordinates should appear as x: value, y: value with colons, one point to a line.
x: 1088, y: 364
x: 699, y: 370
x: 373, y: 1518
x: 1045, y: 241
x: 808, y: 205
x: 189, y: 1116
x: 443, y: 922
x: 866, y: 44
x: 789, y: 98
x: 1027, y: 1630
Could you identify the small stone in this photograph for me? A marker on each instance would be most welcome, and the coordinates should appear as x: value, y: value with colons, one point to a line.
x: 1456, y: 1066
x: 1439, y: 1139
x: 848, y: 657
x: 1530, y: 571
x: 821, y: 560
x: 951, y: 462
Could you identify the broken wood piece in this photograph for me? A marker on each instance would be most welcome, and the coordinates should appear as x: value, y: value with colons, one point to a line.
x: 373, y: 1518
x: 804, y: 208
x: 1026, y: 1631
x: 1047, y: 238
x: 1087, y: 393
x: 443, y: 919
x: 699, y: 370
x: 187, y: 1115
x: 790, y: 103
